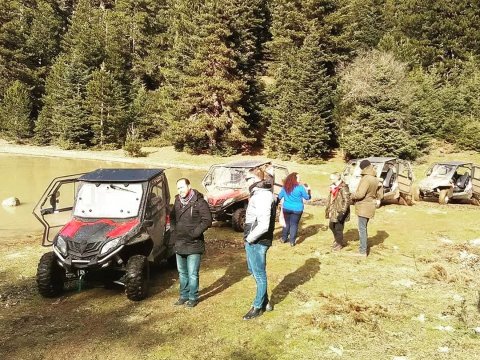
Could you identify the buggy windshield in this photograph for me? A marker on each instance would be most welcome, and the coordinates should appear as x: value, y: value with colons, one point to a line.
x: 441, y: 170
x: 227, y: 178
x: 103, y: 200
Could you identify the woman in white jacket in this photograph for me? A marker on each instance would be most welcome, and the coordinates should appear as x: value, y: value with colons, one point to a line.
x: 258, y: 235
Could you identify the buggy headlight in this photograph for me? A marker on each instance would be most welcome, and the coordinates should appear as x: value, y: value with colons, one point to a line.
x: 61, y: 245
x: 109, y: 246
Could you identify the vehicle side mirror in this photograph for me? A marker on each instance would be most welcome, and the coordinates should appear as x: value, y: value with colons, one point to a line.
x: 54, y: 199
x: 208, y: 181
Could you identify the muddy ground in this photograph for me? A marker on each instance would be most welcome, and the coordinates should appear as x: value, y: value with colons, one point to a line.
x: 416, y: 296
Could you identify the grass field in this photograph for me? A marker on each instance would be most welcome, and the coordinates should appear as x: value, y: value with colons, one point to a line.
x: 415, y: 297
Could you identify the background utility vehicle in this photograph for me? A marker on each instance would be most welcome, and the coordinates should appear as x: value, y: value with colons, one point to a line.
x: 108, y: 222
x: 396, y: 176
x: 227, y: 191
x: 451, y: 180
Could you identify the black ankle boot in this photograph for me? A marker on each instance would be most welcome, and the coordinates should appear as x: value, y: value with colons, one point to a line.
x: 252, y: 313
x: 267, y: 305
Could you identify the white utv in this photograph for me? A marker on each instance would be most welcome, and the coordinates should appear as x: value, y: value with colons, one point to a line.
x: 451, y: 181
x: 395, y: 175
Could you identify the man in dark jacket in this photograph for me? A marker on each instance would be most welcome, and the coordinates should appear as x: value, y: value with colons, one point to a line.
x: 365, y: 199
x: 258, y: 236
x: 190, y: 218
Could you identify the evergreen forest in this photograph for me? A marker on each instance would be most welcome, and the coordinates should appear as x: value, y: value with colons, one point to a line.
x: 298, y: 78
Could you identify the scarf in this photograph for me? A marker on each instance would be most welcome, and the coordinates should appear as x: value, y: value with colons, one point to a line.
x: 334, y: 189
x: 186, y: 199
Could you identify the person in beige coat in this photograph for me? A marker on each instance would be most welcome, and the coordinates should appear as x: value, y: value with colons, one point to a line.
x: 365, y: 199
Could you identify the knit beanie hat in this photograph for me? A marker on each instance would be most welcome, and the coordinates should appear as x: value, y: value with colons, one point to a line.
x: 364, y: 163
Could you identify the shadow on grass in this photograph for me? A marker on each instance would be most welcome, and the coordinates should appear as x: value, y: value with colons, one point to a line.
x: 378, y: 239
x: 299, y: 277
x: 309, y: 231
x: 234, y: 273
x: 350, y: 235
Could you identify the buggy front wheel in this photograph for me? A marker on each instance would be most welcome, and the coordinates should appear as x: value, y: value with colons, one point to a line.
x: 50, y: 276
x: 137, y: 277
x: 443, y: 198
x: 238, y: 219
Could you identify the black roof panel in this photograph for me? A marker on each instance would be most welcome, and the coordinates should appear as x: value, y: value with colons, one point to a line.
x: 121, y: 175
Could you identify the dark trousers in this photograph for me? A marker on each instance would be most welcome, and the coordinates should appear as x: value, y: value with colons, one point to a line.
x: 292, y: 218
x: 337, y: 230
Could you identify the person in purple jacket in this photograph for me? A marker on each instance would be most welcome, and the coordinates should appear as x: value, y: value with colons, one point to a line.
x: 293, y: 195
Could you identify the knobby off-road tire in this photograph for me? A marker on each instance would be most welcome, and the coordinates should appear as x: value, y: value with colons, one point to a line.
x: 50, y: 276
x: 238, y: 219
x: 407, y: 199
x: 444, y: 197
x: 416, y: 194
x: 137, y: 278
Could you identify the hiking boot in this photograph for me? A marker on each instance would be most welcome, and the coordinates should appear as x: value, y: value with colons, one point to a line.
x: 268, y: 307
x: 180, y: 301
x: 292, y: 244
x: 252, y: 313
x: 191, y: 303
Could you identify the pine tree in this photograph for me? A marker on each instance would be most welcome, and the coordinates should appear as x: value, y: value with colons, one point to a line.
x: 207, y: 114
x: 84, y: 41
x: 374, y: 108
x: 249, y: 22
x: 145, y: 23
x: 437, y: 32
x: 63, y: 118
x: 106, y: 109
x: 301, y: 97
x: 42, y: 43
x: 14, y: 19
x: 15, y: 112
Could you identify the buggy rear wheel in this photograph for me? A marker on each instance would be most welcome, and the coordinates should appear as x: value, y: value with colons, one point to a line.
x: 50, y: 276
x: 238, y: 219
x: 137, y: 277
x: 416, y: 194
x: 407, y: 199
x: 443, y: 197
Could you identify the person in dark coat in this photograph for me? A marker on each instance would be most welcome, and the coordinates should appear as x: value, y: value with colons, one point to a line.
x: 190, y: 218
x: 338, y: 209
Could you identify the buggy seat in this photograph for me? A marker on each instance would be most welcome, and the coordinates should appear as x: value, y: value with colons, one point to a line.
x: 389, y: 179
x: 462, y: 182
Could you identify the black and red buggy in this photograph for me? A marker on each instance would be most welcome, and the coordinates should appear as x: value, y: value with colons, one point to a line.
x: 227, y: 191
x: 108, y: 224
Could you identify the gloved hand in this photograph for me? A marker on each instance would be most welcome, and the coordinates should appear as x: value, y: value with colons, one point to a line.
x: 340, y: 216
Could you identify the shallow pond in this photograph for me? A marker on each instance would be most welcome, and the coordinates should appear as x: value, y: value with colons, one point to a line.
x: 27, y: 177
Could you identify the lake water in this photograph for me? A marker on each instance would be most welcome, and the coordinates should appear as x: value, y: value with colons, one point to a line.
x: 27, y: 177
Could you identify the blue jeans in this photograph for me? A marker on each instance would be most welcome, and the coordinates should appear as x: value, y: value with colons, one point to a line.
x: 188, y: 267
x: 292, y: 218
x: 363, y: 233
x: 257, y: 262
